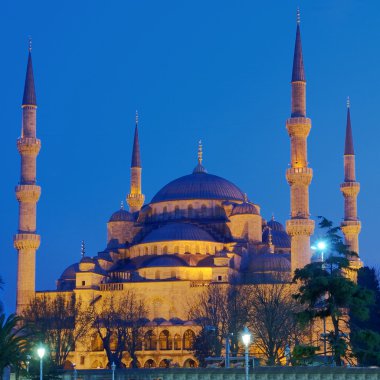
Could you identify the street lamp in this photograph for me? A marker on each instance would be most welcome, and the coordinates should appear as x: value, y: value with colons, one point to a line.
x: 41, y: 353
x: 246, y: 338
x: 113, y: 367
x: 321, y: 247
x: 75, y: 371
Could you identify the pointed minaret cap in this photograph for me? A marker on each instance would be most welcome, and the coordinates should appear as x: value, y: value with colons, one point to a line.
x: 298, y: 74
x: 349, y: 143
x: 29, y: 98
x: 136, y: 160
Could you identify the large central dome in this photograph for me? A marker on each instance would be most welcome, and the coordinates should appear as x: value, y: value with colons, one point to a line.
x: 199, y: 185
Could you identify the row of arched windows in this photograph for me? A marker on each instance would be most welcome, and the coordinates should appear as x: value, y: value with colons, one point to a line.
x: 189, y: 212
x: 164, y: 341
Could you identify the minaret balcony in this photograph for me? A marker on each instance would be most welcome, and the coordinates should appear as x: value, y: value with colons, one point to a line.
x: 300, y: 227
x: 135, y: 200
x: 26, y: 241
x: 298, y: 126
x: 28, y: 193
x: 351, y: 227
x: 350, y: 189
x: 299, y: 176
x: 28, y: 146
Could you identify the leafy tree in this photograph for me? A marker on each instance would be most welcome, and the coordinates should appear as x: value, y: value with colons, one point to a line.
x: 120, y: 325
x: 59, y: 321
x: 303, y: 355
x: 13, y: 342
x: 365, y: 336
x: 326, y: 291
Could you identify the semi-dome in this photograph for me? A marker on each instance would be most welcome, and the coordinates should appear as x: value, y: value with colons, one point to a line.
x: 199, y: 185
x: 164, y: 261
x: 177, y: 231
x: 244, y: 208
x: 122, y: 216
x: 270, y: 262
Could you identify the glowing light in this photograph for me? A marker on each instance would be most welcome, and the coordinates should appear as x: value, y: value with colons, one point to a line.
x: 246, y: 337
x: 321, y: 245
x: 41, y: 352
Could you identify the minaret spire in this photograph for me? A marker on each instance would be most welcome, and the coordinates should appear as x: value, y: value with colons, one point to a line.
x: 26, y: 241
x: 199, y: 168
x: 135, y: 198
x: 299, y: 175
x: 351, y: 225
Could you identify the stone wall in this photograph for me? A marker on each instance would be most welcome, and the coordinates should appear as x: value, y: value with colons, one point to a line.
x: 259, y: 373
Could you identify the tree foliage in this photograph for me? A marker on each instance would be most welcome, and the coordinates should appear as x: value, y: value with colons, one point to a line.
x: 326, y: 291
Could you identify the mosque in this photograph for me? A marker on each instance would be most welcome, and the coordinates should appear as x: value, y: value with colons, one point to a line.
x: 198, y: 229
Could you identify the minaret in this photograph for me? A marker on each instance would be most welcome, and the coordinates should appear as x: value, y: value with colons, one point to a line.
x: 299, y: 175
x: 135, y: 198
x: 26, y: 241
x: 350, y: 189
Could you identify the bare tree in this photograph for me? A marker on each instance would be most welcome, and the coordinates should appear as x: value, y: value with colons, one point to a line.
x: 120, y: 323
x: 273, y: 320
x: 59, y: 321
x: 221, y: 310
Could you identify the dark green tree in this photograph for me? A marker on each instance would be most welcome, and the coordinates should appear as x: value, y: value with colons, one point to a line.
x: 327, y: 291
x: 365, y: 335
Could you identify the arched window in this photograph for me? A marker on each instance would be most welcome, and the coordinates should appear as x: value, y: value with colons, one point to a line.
x: 138, y: 364
x: 165, y: 212
x: 164, y: 363
x: 177, y: 342
x: 157, y: 275
x: 176, y: 212
x: 146, y: 251
x: 188, y: 339
x: 155, y: 250
x: 219, y: 211
x: 197, y: 250
x: 165, y: 340
x: 150, y: 341
x: 150, y: 363
x: 190, y: 211
x: 164, y: 249
x: 203, y: 211
x: 173, y: 274
x: 187, y: 249
x: 176, y: 249
x: 189, y: 363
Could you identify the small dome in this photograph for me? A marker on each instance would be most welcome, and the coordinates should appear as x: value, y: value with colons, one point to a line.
x: 177, y: 231
x: 122, y: 216
x: 199, y: 185
x: 69, y: 272
x: 270, y: 262
x: 244, y: 208
x: 280, y: 238
x: 275, y: 226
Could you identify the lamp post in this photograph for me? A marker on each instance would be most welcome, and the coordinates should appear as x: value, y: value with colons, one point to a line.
x: 321, y: 247
x: 75, y: 371
x: 246, y: 338
x: 41, y: 354
x: 28, y: 357
x: 113, y: 367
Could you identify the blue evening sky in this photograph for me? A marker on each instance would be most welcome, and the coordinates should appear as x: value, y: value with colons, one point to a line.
x: 215, y: 70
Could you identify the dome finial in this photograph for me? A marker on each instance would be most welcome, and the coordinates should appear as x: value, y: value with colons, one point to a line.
x: 270, y: 241
x: 245, y: 198
x: 298, y: 16
x: 348, y: 102
x: 121, y: 205
x: 82, y: 249
x: 272, y: 217
x: 30, y: 44
x: 137, y: 118
x: 200, y: 152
